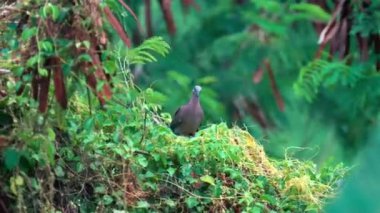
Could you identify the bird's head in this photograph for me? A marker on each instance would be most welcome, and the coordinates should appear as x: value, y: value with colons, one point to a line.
x: 197, y: 89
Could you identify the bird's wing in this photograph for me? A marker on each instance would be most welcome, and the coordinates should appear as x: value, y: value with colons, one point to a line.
x: 177, y: 119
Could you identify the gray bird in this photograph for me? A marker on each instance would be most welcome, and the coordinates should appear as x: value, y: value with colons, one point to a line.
x: 188, y: 117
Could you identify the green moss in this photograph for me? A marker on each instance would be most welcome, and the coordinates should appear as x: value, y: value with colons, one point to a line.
x: 226, y: 168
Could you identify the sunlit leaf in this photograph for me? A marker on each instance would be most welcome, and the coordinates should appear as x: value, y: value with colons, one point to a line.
x: 28, y: 33
x: 191, y: 202
x: 208, y: 179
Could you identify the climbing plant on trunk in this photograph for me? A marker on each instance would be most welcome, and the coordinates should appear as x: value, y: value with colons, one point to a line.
x: 56, y: 40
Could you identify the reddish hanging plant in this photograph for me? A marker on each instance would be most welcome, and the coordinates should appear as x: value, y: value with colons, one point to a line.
x: 43, y: 92
x: 59, y: 82
x: 275, y: 90
x: 257, y: 77
x: 186, y: 4
x: 71, y: 29
x: 168, y: 15
x: 337, y: 33
x: 117, y: 26
x: 148, y: 18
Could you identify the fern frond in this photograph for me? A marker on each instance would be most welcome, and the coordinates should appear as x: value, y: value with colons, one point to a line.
x: 145, y: 52
x: 323, y: 73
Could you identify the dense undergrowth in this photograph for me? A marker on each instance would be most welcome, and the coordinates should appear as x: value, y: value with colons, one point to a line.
x: 124, y: 157
x: 61, y: 152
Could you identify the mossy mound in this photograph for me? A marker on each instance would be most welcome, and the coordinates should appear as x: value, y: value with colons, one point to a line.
x: 226, y: 169
x: 126, y: 158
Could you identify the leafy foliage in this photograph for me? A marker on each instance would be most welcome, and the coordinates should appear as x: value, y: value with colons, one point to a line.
x: 362, y: 184
x: 328, y: 74
x: 51, y: 41
x: 143, y: 53
x: 228, y: 42
x: 126, y: 158
x: 123, y: 157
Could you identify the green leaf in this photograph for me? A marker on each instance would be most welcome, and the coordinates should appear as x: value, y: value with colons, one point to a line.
x: 181, y: 79
x: 100, y: 189
x: 191, y: 202
x: 19, y: 180
x: 43, y: 72
x: 217, y: 191
x: 33, y: 60
x: 28, y: 33
x: 107, y: 200
x: 186, y: 169
x: 116, y: 136
x: 271, y: 26
x: 156, y: 156
x: 312, y: 10
x: 51, y: 134
x: 142, y: 161
x: 269, y: 198
x: 84, y: 58
x: 44, y: 12
x: 47, y: 46
x: 99, y: 85
x: 11, y: 158
x: 144, y: 53
x: 269, y: 5
x: 170, y: 203
x: 79, y: 167
x: 59, y: 171
x: 256, y: 210
x: 88, y: 125
x: 155, y: 97
x: 171, y: 171
x: 13, y: 43
x: 35, y: 184
x: 87, y: 44
x: 55, y: 12
x: 109, y: 66
x: 34, y: 143
x: 49, y: 149
x: 143, y: 204
x: 208, y: 179
x: 50, y: 9
x: 15, y: 183
x: 207, y: 80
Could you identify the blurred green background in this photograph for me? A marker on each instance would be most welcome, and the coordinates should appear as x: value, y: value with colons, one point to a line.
x: 262, y: 67
x: 222, y: 45
x: 330, y: 103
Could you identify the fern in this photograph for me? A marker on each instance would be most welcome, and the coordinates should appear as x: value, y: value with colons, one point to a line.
x: 140, y: 55
x: 323, y: 73
x: 145, y: 52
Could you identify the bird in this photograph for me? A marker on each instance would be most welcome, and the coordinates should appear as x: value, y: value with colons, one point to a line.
x: 188, y: 117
